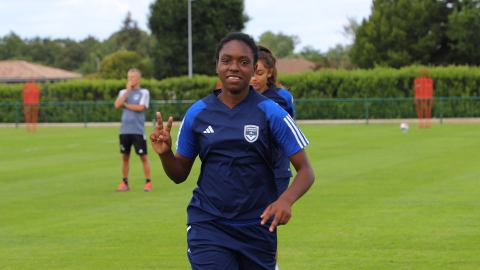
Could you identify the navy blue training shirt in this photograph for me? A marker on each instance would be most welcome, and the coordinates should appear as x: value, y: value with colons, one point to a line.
x: 238, y: 148
x: 285, y: 100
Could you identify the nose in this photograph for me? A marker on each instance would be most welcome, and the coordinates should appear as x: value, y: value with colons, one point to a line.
x: 234, y: 66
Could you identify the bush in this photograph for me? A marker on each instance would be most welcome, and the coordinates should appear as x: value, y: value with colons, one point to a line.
x: 460, y: 81
x: 452, y: 81
x: 117, y: 64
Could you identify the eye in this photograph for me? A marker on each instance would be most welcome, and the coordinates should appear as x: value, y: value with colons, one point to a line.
x: 244, y: 62
x: 225, y: 60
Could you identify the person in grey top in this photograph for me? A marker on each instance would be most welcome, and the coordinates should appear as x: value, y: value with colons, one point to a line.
x: 134, y: 102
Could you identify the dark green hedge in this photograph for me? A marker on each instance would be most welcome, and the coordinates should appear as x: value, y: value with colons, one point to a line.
x: 453, y: 81
x: 460, y: 81
x: 107, y: 90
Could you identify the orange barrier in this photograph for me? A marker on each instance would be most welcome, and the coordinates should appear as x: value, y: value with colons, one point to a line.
x: 31, y: 99
x: 423, y: 99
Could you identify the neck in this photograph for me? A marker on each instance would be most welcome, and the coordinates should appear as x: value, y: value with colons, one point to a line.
x: 135, y: 87
x: 231, y: 99
x: 264, y: 88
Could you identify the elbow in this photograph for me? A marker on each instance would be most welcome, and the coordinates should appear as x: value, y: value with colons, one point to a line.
x: 178, y: 180
x: 117, y: 106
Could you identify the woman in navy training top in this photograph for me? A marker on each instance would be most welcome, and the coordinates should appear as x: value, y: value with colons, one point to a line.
x: 236, y: 132
x: 265, y: 81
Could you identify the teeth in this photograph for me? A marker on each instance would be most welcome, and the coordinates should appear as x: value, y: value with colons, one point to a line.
x: 234, y: 77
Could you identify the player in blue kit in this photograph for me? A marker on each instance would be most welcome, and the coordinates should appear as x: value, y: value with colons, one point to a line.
x: 236, y: 132
x: 265, y: 81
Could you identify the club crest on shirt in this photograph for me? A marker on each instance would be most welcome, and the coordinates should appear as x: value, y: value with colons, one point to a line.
x: 251, y: 133
x: 136, y: 96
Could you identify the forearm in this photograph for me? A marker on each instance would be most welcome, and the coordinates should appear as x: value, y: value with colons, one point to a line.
x: 173, y: 167
x: 120, y: 101
x: 300, y: 184
x: 134, y: 107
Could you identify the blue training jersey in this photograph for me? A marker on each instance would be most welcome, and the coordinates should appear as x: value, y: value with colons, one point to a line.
x: 238, y: 148
x: 285, y: 100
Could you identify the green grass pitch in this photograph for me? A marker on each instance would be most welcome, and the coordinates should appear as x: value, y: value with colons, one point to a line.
x: 382, y: 199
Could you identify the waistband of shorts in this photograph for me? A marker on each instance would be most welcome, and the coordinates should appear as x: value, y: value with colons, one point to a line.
x: 240, y: 222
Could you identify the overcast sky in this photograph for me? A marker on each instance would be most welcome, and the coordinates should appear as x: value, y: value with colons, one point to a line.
x: 318, y: 23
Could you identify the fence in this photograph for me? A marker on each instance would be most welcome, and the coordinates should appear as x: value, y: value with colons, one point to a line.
x: 350, y: 108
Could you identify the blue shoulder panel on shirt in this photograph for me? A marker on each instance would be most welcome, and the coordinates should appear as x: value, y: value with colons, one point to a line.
x: 286, y: 133
x: 289, y: 98
x: 185, y: 144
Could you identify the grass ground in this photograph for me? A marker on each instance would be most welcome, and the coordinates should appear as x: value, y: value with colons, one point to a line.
x: 382, y: 200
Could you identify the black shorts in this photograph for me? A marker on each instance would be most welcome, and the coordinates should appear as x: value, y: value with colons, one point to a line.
x: 138, y: 141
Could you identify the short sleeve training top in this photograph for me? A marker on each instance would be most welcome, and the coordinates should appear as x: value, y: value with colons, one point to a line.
x: 134, y: 122
x: 238, y: 148
x: 285, y: 100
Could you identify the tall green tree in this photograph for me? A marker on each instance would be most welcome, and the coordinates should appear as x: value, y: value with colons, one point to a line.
x: 280, y: 44
x: 403, y: 32
x: 464, y: 32
x: 211, y: 21
x: 132, y: 38
x: 129, y: 35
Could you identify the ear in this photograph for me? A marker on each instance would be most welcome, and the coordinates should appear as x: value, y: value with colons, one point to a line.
x: 216, y: 66
x: 270, y: 72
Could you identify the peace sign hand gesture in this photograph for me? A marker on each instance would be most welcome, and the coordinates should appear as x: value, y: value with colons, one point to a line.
x: 160, y: 138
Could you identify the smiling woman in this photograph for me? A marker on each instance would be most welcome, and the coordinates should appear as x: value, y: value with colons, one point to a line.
x: 236, y: 64
x: 237, y: 134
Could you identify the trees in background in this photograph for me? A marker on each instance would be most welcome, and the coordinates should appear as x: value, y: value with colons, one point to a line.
x: 463, y: 30
x: 280, y: 44
x: 429, y: 32
x: 397, y: 33
x: 83, y: 56
x: 211, y: 21
x: 283, y: 46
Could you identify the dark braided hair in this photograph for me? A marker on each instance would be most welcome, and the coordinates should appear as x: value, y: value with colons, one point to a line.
x: 240, y: 37
x: 270, y: 61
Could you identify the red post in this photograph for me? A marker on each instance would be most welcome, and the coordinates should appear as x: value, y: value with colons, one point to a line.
x: 423, y: 99
x: 31, y: 100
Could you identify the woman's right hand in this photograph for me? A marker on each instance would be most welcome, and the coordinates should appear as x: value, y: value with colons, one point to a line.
x: 160, y: 138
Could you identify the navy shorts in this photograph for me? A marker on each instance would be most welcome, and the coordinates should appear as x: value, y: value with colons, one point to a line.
x: 215, y: 245
x: 138, y: 141
x: 282, y: 184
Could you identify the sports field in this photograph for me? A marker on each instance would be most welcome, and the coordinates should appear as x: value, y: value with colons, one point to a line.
x: 382, y: 199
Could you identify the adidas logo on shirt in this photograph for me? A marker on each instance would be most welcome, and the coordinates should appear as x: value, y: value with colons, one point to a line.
x: 209, y: 130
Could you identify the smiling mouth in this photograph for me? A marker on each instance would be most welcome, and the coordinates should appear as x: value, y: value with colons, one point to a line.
x: 233, y: 77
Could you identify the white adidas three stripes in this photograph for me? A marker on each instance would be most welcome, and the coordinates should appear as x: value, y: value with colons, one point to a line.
x: 301, y: 140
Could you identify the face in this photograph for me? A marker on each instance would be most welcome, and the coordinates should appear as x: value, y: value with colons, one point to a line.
x: 133, y: 78
x: 260, y: 78
x: 235, y: 66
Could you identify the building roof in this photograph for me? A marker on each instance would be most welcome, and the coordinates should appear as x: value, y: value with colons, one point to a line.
x: 12, y: 71
x: 294, y: 65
